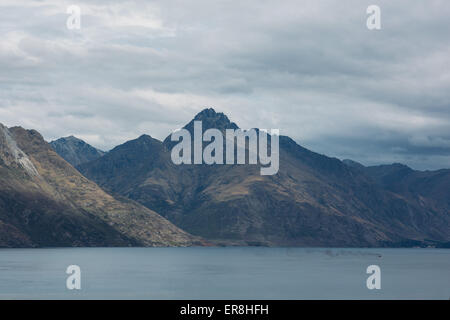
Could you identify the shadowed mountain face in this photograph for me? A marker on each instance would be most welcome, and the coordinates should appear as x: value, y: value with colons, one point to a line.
x: 313, y: 200
x: 44, y: 201
x: 430, y: 187
x: 75, y: 151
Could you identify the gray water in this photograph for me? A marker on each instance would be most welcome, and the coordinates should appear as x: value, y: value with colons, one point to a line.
x: 224, y: 273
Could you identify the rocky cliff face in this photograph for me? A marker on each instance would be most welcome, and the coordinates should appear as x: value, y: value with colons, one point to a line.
x: 75, y: 151
x: 313, y: 200
x: 44, y: 201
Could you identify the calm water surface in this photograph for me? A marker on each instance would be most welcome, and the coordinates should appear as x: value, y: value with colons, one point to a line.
x: 224, y: 273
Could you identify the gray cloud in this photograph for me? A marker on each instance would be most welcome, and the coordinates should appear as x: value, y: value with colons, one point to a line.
x: 310, y: 68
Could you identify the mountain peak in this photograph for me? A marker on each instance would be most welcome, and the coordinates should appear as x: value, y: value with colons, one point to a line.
x: 212, y: 119
x: 207, y: 112
x: 142, y: 144
x: 143, y: 140
x: 72, y: 137
x: 75, y: 151
x: 145, y: 137
x: 68, y: 139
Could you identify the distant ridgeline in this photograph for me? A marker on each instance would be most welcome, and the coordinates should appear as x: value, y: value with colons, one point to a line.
x: 307, y: 199
x: 310, y: 200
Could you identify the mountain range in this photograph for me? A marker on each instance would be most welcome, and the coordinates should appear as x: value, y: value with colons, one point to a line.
x: 313, y: 200
x: 68, y: 193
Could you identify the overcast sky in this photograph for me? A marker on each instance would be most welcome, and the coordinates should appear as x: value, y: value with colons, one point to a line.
x: 310, y: 68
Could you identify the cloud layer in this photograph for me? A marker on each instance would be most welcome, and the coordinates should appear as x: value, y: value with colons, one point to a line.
x: 310, y: 68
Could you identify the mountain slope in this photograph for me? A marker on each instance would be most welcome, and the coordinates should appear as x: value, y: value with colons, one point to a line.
x: 431, y: 187
x: 75, y: 151
x: 44, y: 201
x: 313, y: 200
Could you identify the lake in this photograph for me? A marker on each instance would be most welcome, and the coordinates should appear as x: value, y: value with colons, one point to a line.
x: 224, y: 273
